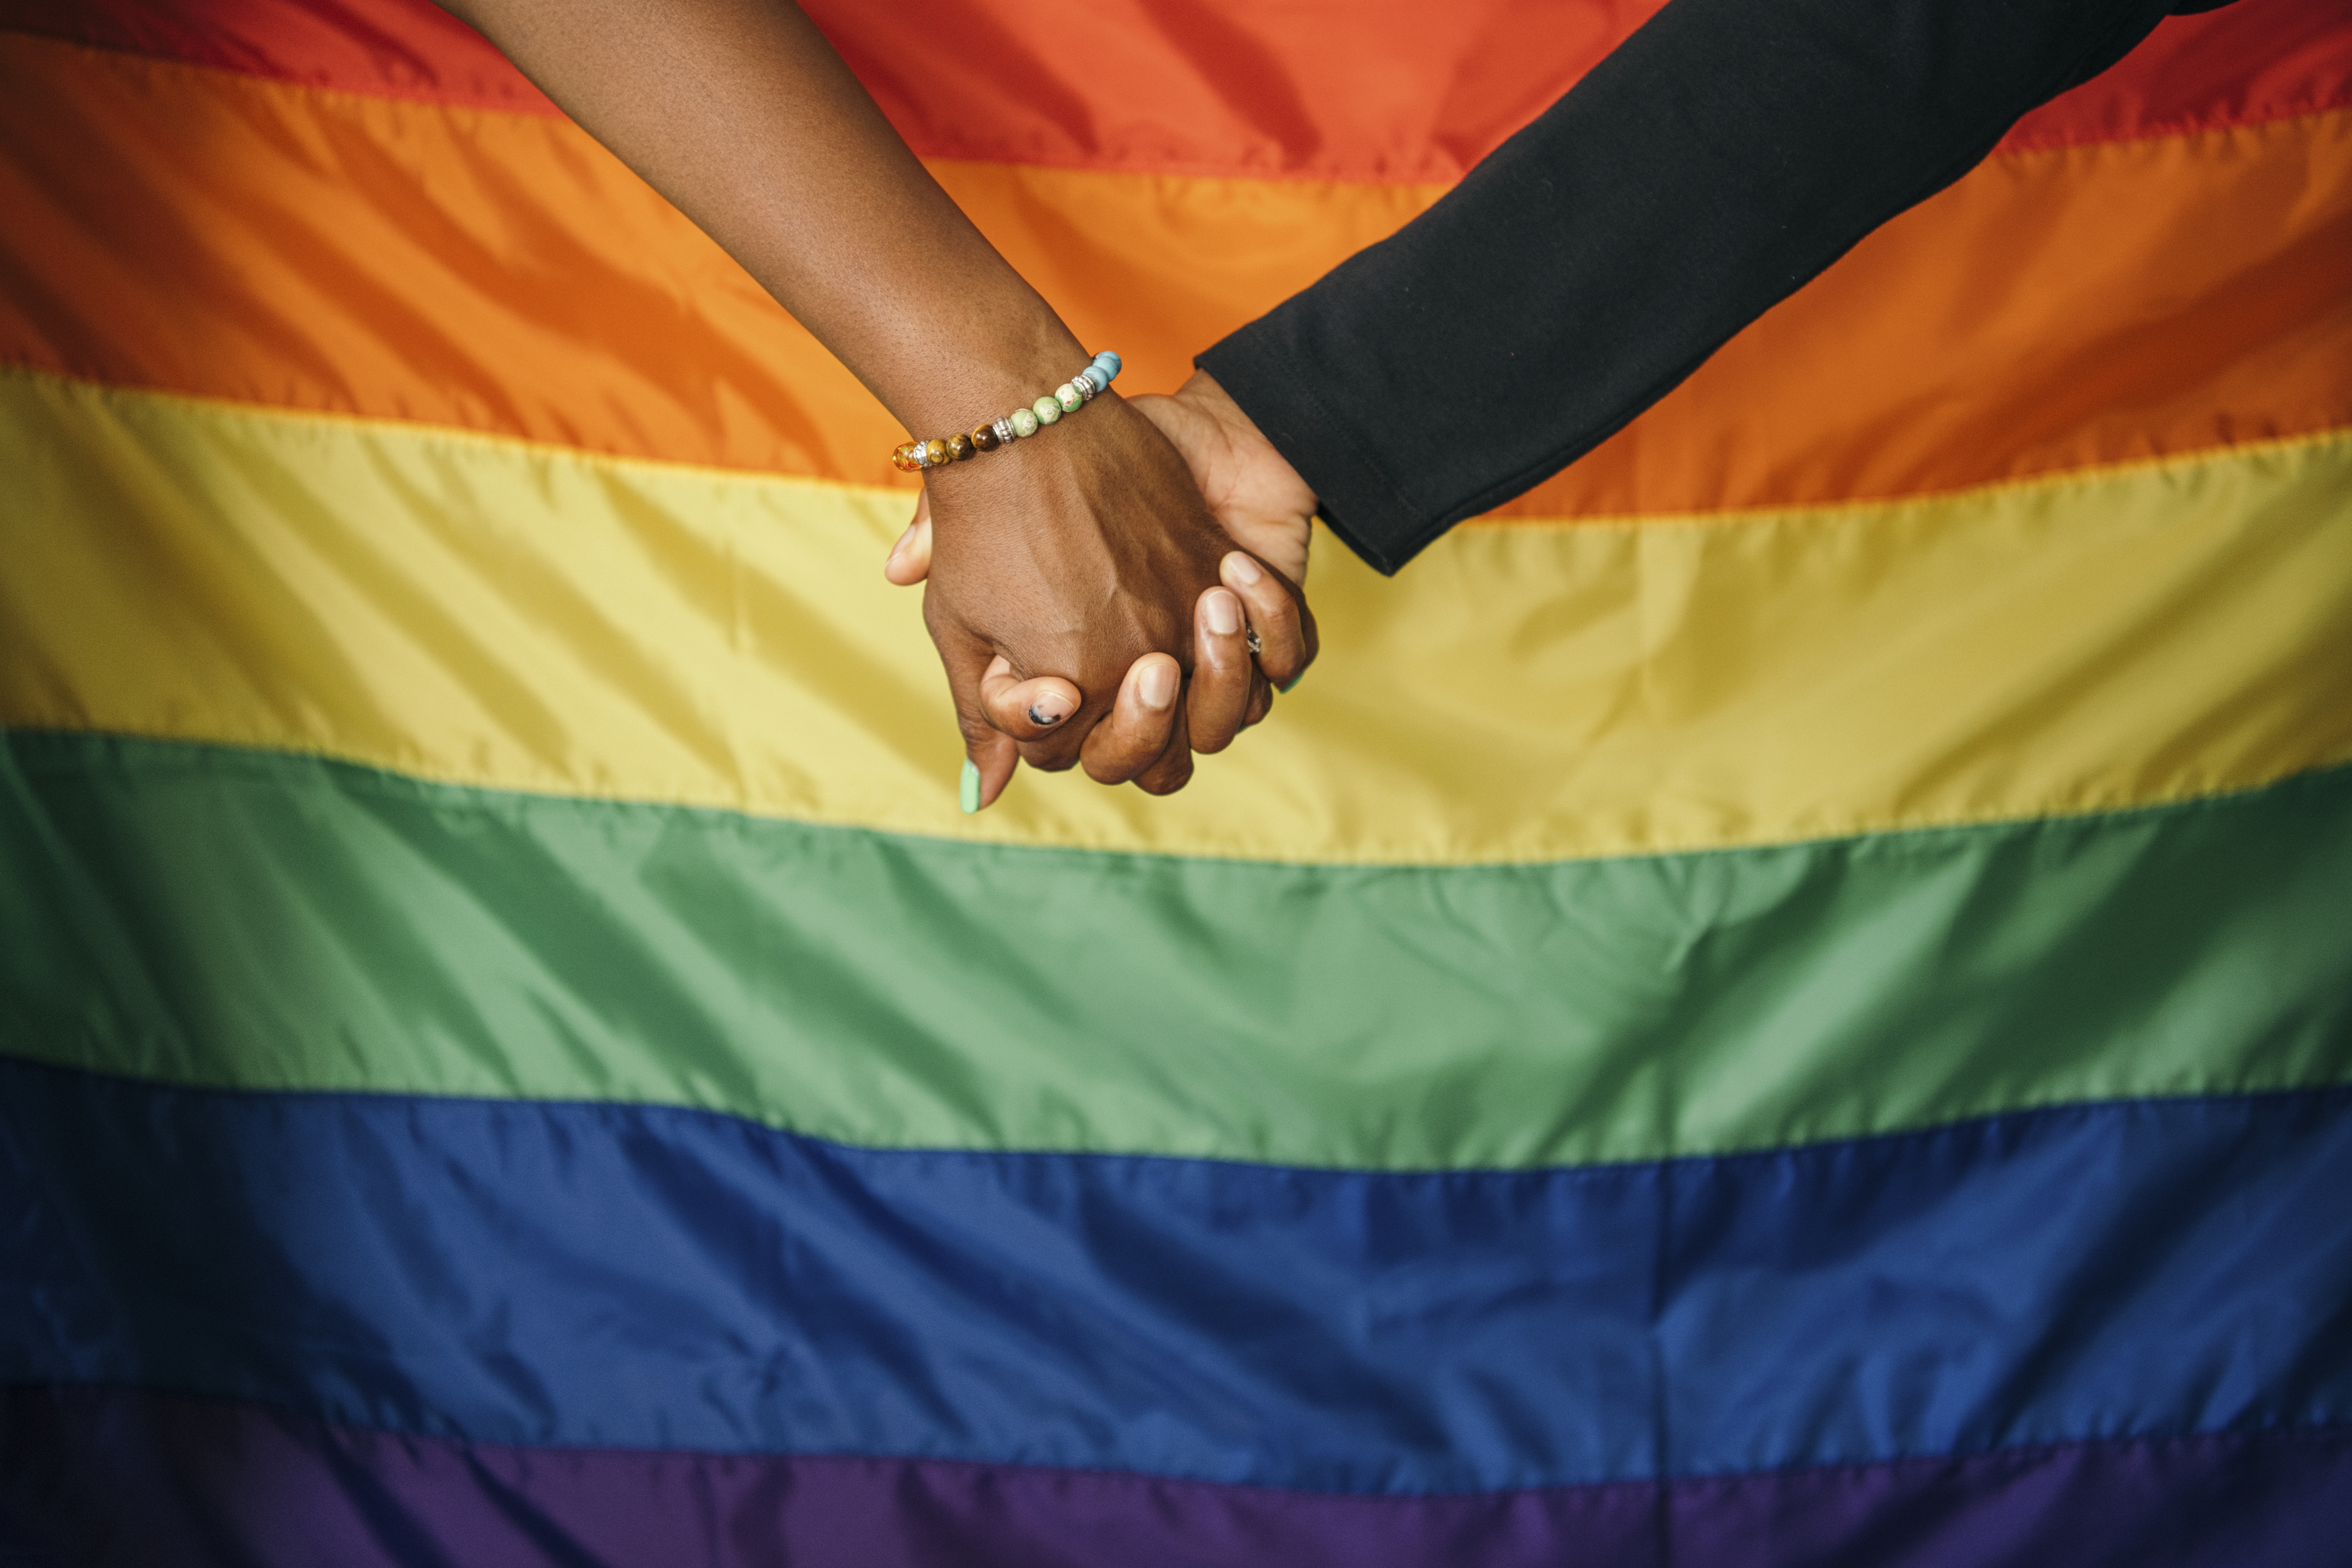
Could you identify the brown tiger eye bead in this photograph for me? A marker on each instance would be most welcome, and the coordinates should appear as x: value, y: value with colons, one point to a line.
x: 984, y: 438
x: 935, y: 453
x: 958, y: 447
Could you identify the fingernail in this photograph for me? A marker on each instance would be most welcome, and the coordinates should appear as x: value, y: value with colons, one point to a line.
x: 1157, y: 685
x: 1050, y: 709
x: 902, y: 545
x: 1248, y: 570
x: 968, y: 792
x: 1223, y: 612
x: 1286, y: 686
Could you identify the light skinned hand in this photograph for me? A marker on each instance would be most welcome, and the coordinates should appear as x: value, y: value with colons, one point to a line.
x: 1148, y: 737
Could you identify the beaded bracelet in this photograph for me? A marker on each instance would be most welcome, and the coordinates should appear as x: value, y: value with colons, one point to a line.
x: 914, y: 456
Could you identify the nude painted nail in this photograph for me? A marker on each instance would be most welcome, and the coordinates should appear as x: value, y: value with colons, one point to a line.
x: 1157, y: 685
x: 968, y: 791
x: 1241, y: 567
x: 1048, y: 710
x: 1222, y: 613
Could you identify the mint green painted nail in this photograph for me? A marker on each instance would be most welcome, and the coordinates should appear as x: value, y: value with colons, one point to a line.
x: 1284, y: 688
x: 968, y: 794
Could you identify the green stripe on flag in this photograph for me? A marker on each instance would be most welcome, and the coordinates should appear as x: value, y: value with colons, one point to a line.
x: 259, y: 920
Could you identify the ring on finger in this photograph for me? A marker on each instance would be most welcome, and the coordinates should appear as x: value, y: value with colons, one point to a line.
x: 1255, y: 647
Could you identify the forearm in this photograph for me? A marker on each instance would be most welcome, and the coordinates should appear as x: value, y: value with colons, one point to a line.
x: 743, y: 116
x: 1722, y: 157
x: 1071, y: 557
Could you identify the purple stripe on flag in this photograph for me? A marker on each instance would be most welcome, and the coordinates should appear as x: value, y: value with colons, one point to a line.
x: 102, y: 1477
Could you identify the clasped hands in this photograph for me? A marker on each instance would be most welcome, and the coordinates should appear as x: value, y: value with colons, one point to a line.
x: 1093, y: 594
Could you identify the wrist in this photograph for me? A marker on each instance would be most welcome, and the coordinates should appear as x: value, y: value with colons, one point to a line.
x: 967, y: 380
x: 1021, y: 425
x: 1202, y: 394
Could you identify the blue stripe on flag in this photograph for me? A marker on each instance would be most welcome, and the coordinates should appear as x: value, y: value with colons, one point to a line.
x: 560, y: 1273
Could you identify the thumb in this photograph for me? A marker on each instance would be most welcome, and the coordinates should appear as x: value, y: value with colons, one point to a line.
x: 989, y: 754
x: 989, y: 759
x: 910, y: 557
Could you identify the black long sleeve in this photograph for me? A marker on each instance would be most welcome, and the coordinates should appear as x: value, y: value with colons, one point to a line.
x: 1721, y: 156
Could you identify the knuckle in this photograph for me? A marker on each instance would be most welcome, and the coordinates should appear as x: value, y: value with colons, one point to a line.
x: 1165, y: 781
x: 1215, y: 727
x: 1057, y: 756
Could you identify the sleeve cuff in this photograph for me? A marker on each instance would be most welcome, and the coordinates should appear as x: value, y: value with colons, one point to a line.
x: 1361, y: 503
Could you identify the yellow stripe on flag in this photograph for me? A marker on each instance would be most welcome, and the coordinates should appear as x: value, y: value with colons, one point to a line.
x: 480, y: 611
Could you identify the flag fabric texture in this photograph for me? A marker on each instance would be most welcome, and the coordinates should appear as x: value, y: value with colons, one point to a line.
x: 1786, y: 1000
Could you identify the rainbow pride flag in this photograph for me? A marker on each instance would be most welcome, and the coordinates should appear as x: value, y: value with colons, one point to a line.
x: 1784, y: 1003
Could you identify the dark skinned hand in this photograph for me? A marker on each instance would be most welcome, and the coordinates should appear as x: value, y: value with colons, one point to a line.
x: 1232, y: 475
x: 1078, y: 553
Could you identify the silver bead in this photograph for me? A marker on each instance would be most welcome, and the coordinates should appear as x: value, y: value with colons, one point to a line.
x: 1004, y: 431
x: 1086, y: 385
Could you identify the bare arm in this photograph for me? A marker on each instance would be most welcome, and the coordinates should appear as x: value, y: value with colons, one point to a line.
x: 742, y: 113
x: 1076, y: 553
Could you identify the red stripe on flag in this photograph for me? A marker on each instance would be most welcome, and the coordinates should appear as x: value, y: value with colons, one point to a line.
x: 1354, y: 90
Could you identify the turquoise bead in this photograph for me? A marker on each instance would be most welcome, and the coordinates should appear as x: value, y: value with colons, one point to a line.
x: 1110, y: 363
x: 1047, y: 410
x: 1026, y: 422
x: 1097, y: 378
x: 1069, y: 397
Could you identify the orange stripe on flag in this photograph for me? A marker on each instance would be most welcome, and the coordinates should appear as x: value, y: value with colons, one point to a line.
x: 194, y: 231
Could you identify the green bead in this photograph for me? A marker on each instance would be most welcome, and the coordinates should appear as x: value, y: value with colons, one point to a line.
x: 1047, y: 410
x: 1069, y: 397
x: 1024, y: 422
